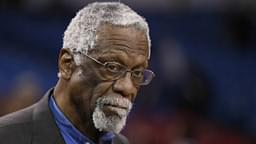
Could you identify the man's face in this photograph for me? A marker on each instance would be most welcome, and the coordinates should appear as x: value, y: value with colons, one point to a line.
x: 94, y: 94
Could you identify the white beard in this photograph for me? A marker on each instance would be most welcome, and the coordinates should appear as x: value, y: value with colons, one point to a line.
x: 114, y: 123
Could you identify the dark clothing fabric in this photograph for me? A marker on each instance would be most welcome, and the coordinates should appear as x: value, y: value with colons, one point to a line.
x: 35, y: 125
x: 69, y: 132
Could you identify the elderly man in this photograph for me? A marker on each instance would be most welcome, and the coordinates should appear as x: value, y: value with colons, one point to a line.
x: 102, y: 65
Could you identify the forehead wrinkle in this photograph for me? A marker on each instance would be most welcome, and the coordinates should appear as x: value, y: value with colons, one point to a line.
x: 133, y: 33
x: 121, y: 58
x: 122, y: 46
x: 110, y: 53
x: 142, y: 46
x: 119, y: 36
x: 123, y: 43
x: 142, y: 42
x: 129, y: 49
x: 117, y: 39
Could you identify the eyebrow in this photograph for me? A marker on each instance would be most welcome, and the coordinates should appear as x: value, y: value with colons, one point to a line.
x: 114, y: 58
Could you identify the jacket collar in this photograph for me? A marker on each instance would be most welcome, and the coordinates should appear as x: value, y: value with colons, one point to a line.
x: 45, y: 129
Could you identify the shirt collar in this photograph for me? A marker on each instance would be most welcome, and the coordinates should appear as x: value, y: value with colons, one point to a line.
x: 68, y: 130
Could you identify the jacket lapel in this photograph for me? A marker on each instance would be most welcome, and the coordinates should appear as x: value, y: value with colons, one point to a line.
x: 120, y: 139
x: 45, y: 130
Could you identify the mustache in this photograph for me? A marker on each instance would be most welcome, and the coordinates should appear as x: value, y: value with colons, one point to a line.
x: 115, y: 100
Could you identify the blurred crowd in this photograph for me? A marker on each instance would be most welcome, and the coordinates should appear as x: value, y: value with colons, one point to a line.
x: 204, y: 91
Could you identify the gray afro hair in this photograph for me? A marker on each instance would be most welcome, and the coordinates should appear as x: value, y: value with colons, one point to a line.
x: 80, y: 34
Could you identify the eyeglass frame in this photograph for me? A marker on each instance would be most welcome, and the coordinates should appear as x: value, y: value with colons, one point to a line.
x: 120, y: 73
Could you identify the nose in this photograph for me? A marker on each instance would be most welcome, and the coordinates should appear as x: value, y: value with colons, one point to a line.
x: 125, y: 87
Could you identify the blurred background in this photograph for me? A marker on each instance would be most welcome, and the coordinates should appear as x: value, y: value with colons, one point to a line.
x: 203, y: 54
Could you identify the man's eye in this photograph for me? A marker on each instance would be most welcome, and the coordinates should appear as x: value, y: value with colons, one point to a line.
x: 113, y: 67
x: 138, y: 73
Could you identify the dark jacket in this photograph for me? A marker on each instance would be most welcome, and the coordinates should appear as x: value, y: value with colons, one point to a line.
x: 35, y: 125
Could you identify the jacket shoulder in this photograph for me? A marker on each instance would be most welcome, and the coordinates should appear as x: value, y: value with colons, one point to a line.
x: 120, y: 139
x: 15, y: 127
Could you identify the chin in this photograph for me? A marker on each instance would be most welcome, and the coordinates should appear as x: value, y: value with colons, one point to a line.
x: 111, y: 122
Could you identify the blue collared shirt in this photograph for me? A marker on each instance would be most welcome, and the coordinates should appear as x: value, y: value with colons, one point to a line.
x: 70, y: 134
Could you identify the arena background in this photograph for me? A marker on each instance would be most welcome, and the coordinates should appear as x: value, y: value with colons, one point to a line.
x: 203, y: 54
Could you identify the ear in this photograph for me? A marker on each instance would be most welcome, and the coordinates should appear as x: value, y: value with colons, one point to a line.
x: 66, y: 64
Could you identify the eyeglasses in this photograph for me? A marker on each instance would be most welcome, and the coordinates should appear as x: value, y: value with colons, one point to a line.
x: 116, y: 70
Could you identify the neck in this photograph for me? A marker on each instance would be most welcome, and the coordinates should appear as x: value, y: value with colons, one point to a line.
x: 74, y: 114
